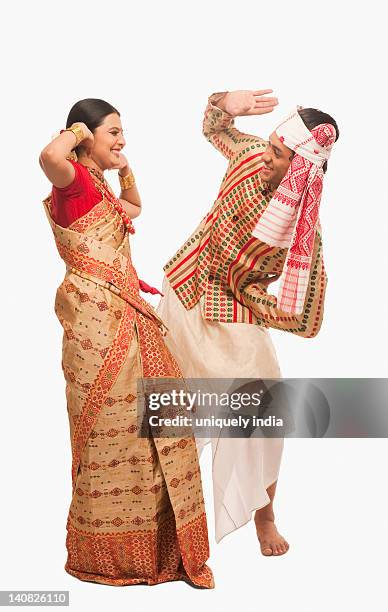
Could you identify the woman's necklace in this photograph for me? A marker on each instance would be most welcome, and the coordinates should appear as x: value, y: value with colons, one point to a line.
x: 106, y: 191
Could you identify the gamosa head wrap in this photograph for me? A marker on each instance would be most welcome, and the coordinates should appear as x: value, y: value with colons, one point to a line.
x: 292, y: 215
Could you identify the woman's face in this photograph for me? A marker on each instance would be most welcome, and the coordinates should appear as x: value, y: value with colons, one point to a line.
x: 108, y: 142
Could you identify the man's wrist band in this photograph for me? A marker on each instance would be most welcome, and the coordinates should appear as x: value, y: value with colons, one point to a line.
x: 127, y: 181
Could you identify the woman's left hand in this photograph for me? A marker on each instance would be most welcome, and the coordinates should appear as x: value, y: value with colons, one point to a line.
x: 122, y: 165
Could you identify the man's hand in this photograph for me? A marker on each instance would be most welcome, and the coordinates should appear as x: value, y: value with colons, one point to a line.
x: 269, y: 280
x: 246, y: 102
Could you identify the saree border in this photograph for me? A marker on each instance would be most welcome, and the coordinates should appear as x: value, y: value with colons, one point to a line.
x: 106, y: 377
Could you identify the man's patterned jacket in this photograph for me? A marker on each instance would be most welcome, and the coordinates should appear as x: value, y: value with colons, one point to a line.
x: 223, y: 260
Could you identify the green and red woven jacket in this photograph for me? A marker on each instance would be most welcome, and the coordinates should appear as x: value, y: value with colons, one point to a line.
x: 224, y: 261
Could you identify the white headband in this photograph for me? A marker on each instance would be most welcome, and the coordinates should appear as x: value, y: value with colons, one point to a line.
x: 296, y: 136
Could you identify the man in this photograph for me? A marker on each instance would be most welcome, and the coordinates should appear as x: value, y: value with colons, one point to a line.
x: 263, y: 226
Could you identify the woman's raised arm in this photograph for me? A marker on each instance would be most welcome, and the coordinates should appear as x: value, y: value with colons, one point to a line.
x: 52, y: 159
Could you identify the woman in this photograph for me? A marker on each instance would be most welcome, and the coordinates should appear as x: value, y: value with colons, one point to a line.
x: 137, y: 511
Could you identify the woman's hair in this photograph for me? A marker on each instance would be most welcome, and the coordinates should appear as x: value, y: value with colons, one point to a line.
x: 90, y: 111
x: 312, y: 117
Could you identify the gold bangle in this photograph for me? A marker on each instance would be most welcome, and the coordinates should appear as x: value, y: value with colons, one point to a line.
x: 127, y: 181
x: 78, y: 133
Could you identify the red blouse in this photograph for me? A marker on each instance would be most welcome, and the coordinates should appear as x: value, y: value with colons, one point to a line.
x: 72, y: 202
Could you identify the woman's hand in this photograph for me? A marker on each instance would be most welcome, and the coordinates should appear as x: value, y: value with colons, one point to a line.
x: 88, y: 140
x: 122, y: 165
x: 247, y: 102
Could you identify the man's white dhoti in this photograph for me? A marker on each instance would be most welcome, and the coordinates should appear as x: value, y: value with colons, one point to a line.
x: 243, y: 468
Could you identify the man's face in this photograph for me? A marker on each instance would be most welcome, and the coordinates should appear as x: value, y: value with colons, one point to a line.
x: 277, y: 158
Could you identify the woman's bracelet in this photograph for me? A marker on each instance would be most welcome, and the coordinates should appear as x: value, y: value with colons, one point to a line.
x: 127, y: 181
x: 77, y: 131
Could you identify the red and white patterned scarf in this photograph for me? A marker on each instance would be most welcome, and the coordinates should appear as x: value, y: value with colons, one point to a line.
x: 292, y: 215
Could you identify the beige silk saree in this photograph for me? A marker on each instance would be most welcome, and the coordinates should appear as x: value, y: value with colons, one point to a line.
x: 137, y: 510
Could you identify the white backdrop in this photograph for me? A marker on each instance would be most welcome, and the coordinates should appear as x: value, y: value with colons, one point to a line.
x: 157, y: 62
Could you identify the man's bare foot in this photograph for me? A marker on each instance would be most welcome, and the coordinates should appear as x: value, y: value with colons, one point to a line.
x: 271, y: 542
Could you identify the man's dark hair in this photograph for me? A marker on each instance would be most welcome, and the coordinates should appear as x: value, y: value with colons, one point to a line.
x: 90, y: 111
x: 312, y: 117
